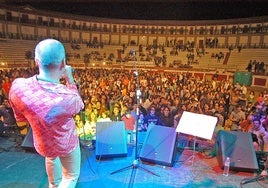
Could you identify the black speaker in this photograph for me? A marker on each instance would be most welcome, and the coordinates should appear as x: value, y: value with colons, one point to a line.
x: 110, y: 139
x: 159, y: 145
x: 27, y: 142
x: 239, y: 147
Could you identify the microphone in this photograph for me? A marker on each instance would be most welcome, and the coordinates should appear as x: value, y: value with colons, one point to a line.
x: 69, y: 69
x: 73, y: 70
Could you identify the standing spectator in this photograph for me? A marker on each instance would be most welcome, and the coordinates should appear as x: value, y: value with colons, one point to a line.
x: 249, y: 67
x: 177, y: 117
x: 251, y: 97
x: 115, y: 114
x: 6, y: 84
x: 246, y: 124
x: 260, y: 106
x: 236, y: 117
x: 141, y: 122
x: 206, y: 110
x: 261, y: 68
x: 226, y: 99
x: 151, y: 119
x: 265, y: 123
x: 234, y: 99
x: 260, y: 133
x: 2, y: 94
x: 9, y: 123
x: 257, y: 67
x: 166, y: 118
x: 265, y: 96
x: 242, y: 99
x: 244, y: 89
x: 222, y: 112
x: 156, y: 99
x: 104, y: 117
x: 129, y: 120
x: 219, y: 125
x: 49, y: 107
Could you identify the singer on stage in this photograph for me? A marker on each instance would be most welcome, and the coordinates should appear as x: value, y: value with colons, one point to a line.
x: 49, y: 106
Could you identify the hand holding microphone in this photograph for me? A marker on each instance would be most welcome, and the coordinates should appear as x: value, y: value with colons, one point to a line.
x: 68, y: 74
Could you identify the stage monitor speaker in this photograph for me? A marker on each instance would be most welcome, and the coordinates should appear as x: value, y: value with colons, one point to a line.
x: 239, y: 147
x: 27, y: 142
x: 159, y: 145
x: 110, y: 139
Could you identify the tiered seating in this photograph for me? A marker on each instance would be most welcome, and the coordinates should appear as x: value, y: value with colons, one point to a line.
x: 241, y: 60
x: 12, y: 53
x: 237, y: 61
x: 210, y: 61
x: 103, y: 58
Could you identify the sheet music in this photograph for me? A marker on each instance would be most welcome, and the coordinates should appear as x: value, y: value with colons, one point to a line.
x: 199, y: 125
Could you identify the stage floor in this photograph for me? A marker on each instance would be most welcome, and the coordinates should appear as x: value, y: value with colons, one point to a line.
x: 25, y: 169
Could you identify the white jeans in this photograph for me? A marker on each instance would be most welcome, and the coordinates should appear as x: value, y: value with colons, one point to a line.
x: 63, y: 172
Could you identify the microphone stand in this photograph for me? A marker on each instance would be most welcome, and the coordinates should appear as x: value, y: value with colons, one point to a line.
x: 135, y: 164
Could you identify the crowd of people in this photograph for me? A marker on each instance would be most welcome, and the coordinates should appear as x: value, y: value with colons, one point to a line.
x: 111, y: 95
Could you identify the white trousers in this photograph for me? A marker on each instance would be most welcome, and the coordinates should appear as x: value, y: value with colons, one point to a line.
x: 63, y: 172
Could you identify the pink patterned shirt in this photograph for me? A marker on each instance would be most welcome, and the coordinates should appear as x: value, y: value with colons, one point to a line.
x: 49, y: 108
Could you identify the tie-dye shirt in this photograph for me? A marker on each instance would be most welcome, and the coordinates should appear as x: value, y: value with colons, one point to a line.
x: 49, y: 108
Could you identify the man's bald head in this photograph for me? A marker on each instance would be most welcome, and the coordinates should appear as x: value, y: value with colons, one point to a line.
x: 49, y: 53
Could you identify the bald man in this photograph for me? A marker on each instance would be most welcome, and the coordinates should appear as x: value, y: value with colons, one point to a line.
x: 49, y: 107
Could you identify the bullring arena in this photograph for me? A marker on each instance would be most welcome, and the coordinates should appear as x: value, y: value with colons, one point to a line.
x: 193, y: 66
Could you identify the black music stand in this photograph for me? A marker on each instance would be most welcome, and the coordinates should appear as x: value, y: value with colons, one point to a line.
x: 196, y: 125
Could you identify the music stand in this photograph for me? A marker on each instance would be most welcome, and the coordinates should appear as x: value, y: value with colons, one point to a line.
x: 197, y: 125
